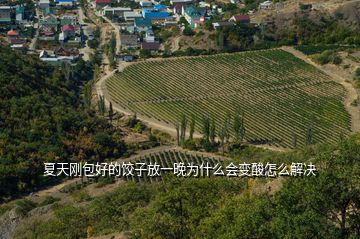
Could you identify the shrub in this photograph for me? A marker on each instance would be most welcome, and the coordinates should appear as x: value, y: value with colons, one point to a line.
x: 188, y: 31
x: 24, y: 206
x: 48, y: 200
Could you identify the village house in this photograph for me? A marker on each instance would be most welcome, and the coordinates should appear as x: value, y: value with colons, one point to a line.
x: 102, y: 3
x: 181, y: 1
x: 145, y: 3
x: 152, y: 46
x: 5, y: 14
x: 157, y: 12
x: 14, y: 37
x: 62, y: 51
x: 142, y: 24
x: 244, y: 19
x: 115, y: 11
x: 131, y: 16
x: 220, y: 25
x: 56, y: 60
x: 149, y: 36
x: 68, y: 20
x: 19, y: 13
x: 44, y: 4
x: 266, y: 5
x: 49, y: 11
x: 65, y: 3
x: 128, y: 41
x: 126, y: 58
x: 194, y: 15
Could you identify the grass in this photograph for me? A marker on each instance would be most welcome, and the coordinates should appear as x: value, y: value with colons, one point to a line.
x: 281, y: 96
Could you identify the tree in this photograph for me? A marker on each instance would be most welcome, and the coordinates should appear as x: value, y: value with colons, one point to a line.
x: 192, y: 127
x: 309, y: 136
x: 101, y: 105
x: 212, y: 134
x: 183, y: 125
x: 239, y: 127
x: 111, y: 112
x: 177, y: 128
x: 206, y: 129
x: 222, y: 134
x: 188, y: 31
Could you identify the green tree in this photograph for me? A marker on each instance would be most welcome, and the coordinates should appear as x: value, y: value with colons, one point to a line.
x: 111, y: 111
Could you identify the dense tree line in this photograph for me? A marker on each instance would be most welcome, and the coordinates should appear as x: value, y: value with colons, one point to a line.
x: 325, y: 206
x: 43, y: 118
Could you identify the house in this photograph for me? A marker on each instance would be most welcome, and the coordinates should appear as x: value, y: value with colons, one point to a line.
x: 44, y: 4
x: 68, y: 20
x: 152, y: 46
x: 115, y: 11
x: 142, y: 24
x: 62, y: 51
x: 244, y: 19
x: 48, y: 11
x: 157, y: 12
x: 102, y: 3
x: 194, y: 15
x: 5, y: 14
x: 49, y: 21
x: 126, y: 58
x: 128, y: 41
x: 68, y: 30
x: 149, y: 36
x: 177, y: 8
x: 131, y: 16
x: 55, y: 60
x: 220, y: 25
x: 68, y: 3
x: 181, y: 1
x: 19, y: 11
x: 145, y: 3
x: 235, y: 1
x: 265, y: 5
x: 14, y: 37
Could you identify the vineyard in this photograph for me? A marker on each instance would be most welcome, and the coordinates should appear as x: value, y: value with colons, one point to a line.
x: 281, y: 96
x: 167, y: 161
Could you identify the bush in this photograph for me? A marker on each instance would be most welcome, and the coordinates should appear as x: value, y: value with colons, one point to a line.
x: 24, y: 206
x: 357, y: 72
x: 104, y: 181
x: 337, y: 60
x: 48, y: 200
x: 188, y: 31
x: 81, y: 196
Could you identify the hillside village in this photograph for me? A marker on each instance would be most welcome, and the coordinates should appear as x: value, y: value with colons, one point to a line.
x: 59, y: 31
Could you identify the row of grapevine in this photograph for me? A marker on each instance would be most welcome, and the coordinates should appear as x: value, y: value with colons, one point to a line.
x: 281, y: 95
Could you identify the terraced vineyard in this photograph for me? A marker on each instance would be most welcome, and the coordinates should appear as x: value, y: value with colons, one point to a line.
x: 166, y: 160
x: 281, y: 95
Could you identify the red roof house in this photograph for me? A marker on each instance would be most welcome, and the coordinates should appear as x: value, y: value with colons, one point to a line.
x: 240, y: 18
x: 68, y: 28
x: 12, y: 33
x: 102, y: 3
x: 153, y: 46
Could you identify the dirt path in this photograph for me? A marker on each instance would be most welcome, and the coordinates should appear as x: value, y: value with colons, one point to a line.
x: 351, y: 95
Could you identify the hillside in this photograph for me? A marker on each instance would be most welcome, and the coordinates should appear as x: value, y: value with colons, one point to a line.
x: 280, y: 96
x: 42, y: 120
x: 236, y: 207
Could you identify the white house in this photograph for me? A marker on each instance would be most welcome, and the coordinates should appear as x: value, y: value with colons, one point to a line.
x: 149, y: 36
x: 44, y: 4
x: 115, y: 11
x: 131, y: 16
x: 265, y: 5
x: 145, y: 3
